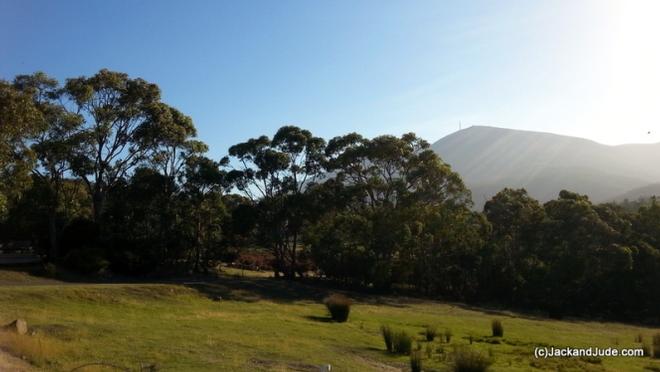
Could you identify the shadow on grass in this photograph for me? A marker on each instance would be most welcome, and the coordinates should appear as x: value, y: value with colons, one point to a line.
x: 256, y: 289
x: 322, y: 319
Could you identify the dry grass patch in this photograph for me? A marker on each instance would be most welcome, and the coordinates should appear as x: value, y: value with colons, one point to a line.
x: 38, y: 349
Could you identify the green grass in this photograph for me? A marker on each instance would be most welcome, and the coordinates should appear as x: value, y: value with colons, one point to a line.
x: 266, y: 324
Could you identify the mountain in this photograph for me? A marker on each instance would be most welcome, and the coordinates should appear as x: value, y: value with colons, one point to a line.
x: 489, y: 159
x: 644, y: 192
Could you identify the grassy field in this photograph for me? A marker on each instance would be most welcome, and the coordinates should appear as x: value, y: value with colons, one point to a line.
x: 258, y: 323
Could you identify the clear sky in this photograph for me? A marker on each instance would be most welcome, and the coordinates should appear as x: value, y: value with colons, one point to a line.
x: 243, y: 68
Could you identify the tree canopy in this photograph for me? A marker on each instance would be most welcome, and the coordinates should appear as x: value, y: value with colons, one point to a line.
x: 104, y: 178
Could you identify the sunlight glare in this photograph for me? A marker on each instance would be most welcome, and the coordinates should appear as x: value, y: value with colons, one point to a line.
x: 632, y: 96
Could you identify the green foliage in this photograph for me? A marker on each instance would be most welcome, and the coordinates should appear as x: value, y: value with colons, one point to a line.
x: 497, y: 328
x: 4, y: 208
x: 386, y: 215
x: 20, y: 120
x: 379, y: 213
x: 646, y: 349
x: 276, y: 175
x: 569, y: 256
x: 430, y: 332
x: 416, y: 361
x: 396, y: 342
x: 469, y: 360
x: 53, y: 146
x: 339, y: 306
x: 401, y: 342
x: 388, y: 337
x: 448, y: 334
x: 515, y: 218
x: 339, y: 245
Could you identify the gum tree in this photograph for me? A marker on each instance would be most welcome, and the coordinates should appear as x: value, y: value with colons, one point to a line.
x: 114, y: 108
x: 52, y: 145
x: 276, y: 175
x: 19, y: 119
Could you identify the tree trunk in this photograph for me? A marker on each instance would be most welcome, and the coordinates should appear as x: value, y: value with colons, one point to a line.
x: 98, y: 202
x: 198, y: 240
x: 279, y: 261
x: 294, y: 263
x: 52, y: 236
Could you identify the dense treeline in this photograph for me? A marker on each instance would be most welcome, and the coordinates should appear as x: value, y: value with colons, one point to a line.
x: 102, y: 176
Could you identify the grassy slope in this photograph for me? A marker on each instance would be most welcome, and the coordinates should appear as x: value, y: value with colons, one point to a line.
x: 263, y: 324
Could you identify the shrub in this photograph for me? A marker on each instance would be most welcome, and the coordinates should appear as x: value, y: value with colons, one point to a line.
x: 416, y: 361
x: 467, y: 360
x: 656, y: 346
x: 388, y: 337
x: 496, y: 326
x: 430, y: 332
x: 339, y: 307
x: 448, y: 335
x: 397, y: 342
x: 401, y: 343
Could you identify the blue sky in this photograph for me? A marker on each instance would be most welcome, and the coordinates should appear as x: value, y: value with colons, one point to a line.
x: 244, y: 68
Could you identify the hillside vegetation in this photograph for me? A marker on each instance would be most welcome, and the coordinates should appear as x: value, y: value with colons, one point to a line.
x: 104, y: 178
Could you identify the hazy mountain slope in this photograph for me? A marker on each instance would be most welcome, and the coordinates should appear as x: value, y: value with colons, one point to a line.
x: 490, y: 159
x: 640, y: 192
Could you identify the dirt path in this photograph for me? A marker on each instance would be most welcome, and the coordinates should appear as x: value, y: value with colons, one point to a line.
x: 10, y: 363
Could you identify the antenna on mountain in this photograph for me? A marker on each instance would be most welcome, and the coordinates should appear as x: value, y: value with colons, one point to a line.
x: 460, y: 125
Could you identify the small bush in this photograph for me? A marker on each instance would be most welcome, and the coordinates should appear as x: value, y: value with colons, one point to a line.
x: 401, y: 343
x: 388, y: 337
x: 646, y: 349
x: 496, y: 326
x: 656, y: 346
x: 339, y: 307
x: 416, y: 361
x: 397, y: 342
x: 467, y: 360
x: 448, y: 334
x: 430, y: 332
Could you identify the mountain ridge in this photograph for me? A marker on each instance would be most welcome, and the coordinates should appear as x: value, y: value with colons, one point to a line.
x: 490, y: 158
